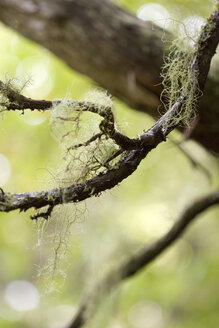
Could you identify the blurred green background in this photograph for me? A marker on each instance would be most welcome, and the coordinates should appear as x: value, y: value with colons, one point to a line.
x: 181, y: 288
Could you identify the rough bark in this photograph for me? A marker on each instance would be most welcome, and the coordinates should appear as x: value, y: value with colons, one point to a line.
x: 117, y: 50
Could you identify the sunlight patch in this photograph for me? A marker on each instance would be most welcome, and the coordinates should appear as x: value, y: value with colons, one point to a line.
x: 37, y: 69
x: 155, y: 13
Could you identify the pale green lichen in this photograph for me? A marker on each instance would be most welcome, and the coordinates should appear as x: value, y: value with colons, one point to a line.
x: 11, y: 88
x: 100, y: 97
x: 216, y: 4
x: 13, y: 85
x: 53, y: 238
x: 180, y: 80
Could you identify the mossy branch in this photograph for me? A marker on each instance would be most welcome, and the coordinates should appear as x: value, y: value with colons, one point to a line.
x: 136, y: 79
x: 134, y: 150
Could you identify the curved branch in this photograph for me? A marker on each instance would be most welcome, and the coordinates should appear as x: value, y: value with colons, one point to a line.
x: 94, y: 37
x: 141, y: 259
x: 205, y: 50
x: 89, y: 188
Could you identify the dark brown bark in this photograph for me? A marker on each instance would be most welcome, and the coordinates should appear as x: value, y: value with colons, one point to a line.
x: 114, y: 48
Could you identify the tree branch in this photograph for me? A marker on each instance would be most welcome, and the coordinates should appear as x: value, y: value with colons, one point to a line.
x: 94, y: 37
x: 138, y: 147
x: 140, y: 260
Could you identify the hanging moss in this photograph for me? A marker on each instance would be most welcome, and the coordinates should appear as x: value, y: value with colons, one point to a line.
x: 180, y: 80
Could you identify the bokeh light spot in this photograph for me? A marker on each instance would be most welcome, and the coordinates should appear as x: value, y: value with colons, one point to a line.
x: 34, y: 118
x: 37, y: 71
x: 146, y: 314
x: 155, y: 13
x: 190, y: 29
x: 21, y: 295
x: 60, y: 316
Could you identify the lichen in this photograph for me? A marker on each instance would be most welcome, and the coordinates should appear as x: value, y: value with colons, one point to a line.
x: 180, y: 76
x: 100, y: 97
x: 11, y: 88
x: 53, y: 238
x: 216, y: 4
x: 71, y: 124
x: 179, y: 79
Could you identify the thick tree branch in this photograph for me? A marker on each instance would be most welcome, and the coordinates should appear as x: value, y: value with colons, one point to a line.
x: 94, y: 37
x: 140, y: 260
x: 205, y: 50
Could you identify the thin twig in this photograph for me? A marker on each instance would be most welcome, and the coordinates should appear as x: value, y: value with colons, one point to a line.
x: 86, y: 143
